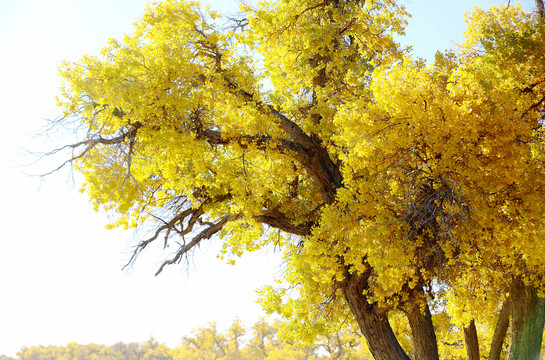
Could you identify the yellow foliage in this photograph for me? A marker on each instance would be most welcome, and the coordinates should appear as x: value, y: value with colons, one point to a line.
x: 310, y: 121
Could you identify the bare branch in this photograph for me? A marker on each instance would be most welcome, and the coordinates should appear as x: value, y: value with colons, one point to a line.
x: 191, y: 215
x: 90, y: 144
x: 204, y: 234
x: 237, y: 24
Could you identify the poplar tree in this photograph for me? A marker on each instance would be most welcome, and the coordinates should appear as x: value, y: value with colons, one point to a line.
x: 400, y: 192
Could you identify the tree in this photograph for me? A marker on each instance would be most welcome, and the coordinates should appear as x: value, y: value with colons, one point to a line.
x: 394, y: 188
x: 263, y: 343
x: 149, y: 350
x: 208, y: 343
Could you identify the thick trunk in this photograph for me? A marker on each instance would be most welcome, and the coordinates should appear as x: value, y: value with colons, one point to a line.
x: 423, y: 332
x: 472, y: 341
x: 373, y: 323
x: 528, y: 314
x: 496, y: 346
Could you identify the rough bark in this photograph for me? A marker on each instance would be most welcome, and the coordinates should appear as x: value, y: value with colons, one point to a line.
x: 540, y: 9
x: 528, y: 314
x: 423, y: 332
x: 373, y: 322
x: 496, y: 346
x: 472, y: 341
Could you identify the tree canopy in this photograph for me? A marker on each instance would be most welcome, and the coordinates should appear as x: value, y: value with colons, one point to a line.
x: 398, y: 191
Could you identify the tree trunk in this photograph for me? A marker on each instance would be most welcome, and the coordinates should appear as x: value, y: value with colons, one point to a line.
x: 423, y: 332
x: 496, y: 346
x: 472, y: 341
x: 528, y: 313
x: 540, y: 9
x: 373, y: 322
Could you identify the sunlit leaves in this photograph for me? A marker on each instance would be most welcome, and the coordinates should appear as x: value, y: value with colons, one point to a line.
x: 308, y: 119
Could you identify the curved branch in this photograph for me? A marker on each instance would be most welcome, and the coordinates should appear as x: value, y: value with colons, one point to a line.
x: 207, y: 233
x: 293, y: 130
x: 262, y: 142
x: 90, y: 144
x: 191, y: 215
x: 168, y: 226
x: 278, y: 220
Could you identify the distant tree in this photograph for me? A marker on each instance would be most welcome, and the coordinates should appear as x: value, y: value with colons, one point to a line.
x: 344, y: 345
x: 149, y: 350
x: 263, y: 343
x: 207, y: 344
x: 264, y: 340
x: 41, y: 353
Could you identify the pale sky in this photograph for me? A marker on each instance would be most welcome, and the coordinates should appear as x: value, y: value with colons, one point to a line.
x: 60, y: 270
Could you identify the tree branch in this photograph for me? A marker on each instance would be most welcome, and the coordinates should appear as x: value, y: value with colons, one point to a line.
x: 191, y: 216
x: 317, y: 161
x: 207, y: 233
x: 90, y: 144
x: 278, y: 220
x: 262, y: 142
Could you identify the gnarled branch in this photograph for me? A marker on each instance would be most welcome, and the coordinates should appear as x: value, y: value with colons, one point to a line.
x: 207, y: 233
x: 277, y: 220
x: 262, y: 142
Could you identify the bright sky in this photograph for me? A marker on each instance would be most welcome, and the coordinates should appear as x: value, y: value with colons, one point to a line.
x: 60, y: 270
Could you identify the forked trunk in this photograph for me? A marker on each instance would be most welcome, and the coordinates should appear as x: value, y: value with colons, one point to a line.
x: 528, y: 315
x: 423, y: 332
x: 373, y: 323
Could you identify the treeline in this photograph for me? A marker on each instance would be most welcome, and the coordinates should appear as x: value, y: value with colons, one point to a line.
x: 261, y: 341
